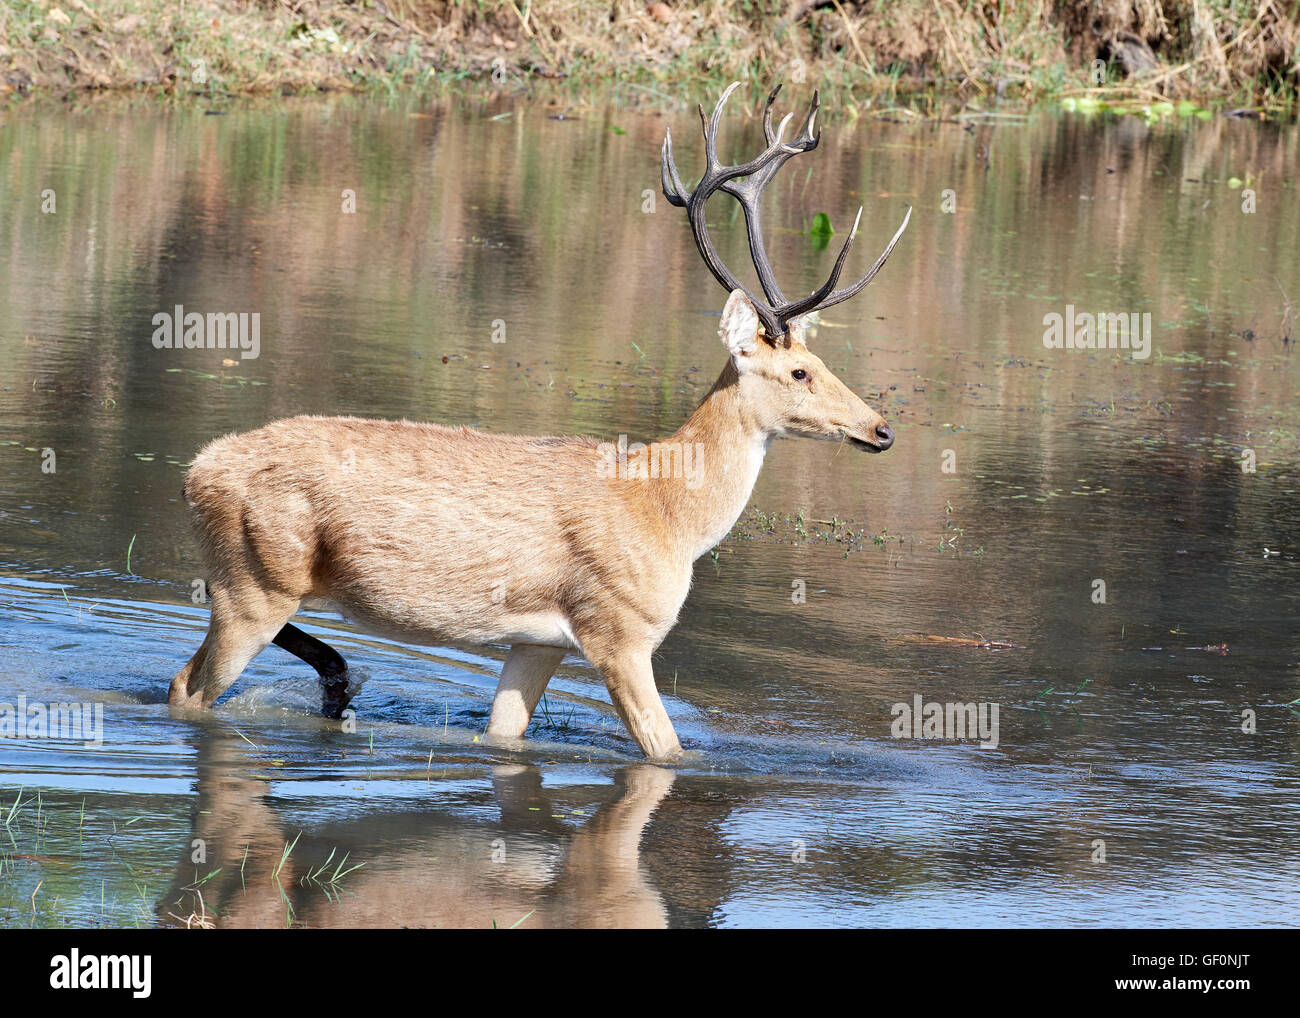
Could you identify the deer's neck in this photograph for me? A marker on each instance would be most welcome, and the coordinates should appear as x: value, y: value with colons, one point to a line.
x: 728, y: 443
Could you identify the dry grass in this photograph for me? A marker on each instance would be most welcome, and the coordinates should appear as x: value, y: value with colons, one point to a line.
x: 861, y: 54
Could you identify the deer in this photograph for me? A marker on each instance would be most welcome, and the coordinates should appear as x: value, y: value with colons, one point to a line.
x: 433, y: 535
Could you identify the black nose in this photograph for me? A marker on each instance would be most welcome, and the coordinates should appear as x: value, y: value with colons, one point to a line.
x: 884, y: 436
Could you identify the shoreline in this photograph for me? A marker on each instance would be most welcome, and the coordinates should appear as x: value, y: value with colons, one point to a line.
x: 923, y: 59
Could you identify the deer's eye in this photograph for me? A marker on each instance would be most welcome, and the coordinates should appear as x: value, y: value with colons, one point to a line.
x: 799, y: 374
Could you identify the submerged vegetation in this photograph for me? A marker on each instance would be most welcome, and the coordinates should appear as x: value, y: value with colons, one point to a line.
x: 864, y: 55
x: 784, y: 528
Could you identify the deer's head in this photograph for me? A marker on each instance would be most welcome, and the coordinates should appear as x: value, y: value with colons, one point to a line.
x: 790, y: 388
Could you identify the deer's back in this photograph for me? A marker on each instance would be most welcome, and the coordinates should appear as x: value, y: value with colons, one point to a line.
x: 425, y: 531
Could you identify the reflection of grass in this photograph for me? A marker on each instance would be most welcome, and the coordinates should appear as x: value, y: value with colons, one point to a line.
x: 329, y: 883
x: 45, y: 857
x: 1100, y: 100
x: 200, y: 919
x: 39, y: 877
x: 13, y: 810
x: 279, y: 885
x: 515, y: 924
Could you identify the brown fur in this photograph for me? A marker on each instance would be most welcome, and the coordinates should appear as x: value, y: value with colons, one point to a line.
x: 431, y: 534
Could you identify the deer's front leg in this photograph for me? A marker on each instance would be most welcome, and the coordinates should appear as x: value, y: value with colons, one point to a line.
x: 524, y: 677
x: 631, y: 684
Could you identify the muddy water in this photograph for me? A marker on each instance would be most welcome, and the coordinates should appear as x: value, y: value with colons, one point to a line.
x: 1123, y: 789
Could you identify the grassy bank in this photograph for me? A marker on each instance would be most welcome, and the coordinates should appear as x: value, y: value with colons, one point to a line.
x: 869, y: 54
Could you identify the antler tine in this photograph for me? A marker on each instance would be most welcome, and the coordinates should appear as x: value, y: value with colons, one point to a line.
x: 810, y: 123
x: 839, y: 296
x: 711, y: 130
x: 672, y: 184
x: 768, y: 136
x: 814, y: 299
x: 807, y: 137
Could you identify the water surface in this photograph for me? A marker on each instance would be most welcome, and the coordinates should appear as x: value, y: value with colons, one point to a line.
x: 1121, y: 723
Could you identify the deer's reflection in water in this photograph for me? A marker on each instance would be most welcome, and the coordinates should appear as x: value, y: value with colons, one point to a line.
x: 250, y: 864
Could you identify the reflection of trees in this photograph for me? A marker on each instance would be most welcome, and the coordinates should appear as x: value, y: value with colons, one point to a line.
x: 461, y: 220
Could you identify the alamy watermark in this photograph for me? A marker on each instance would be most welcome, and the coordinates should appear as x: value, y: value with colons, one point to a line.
x: 921, y: 720
x: 222, y: 330
x: 79, y: 722
x: 75, y: 971
x: 638, y: 461
x: 1104, y: 330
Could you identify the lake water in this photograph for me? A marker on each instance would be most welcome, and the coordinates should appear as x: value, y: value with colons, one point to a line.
x: 1146, y: 766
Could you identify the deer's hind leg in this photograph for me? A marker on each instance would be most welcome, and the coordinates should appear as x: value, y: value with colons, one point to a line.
x: 244, y: 619
x: 336, y: 690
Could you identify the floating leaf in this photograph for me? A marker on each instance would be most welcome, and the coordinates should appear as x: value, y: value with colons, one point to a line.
x: 821, y: 232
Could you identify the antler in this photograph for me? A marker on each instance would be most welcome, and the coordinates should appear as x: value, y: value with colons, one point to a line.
x: 776, y: 312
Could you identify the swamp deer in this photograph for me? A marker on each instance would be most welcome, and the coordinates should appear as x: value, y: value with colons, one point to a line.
x: 432, y: 535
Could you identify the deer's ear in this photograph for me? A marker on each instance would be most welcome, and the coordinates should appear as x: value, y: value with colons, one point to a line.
x: 739, y: 330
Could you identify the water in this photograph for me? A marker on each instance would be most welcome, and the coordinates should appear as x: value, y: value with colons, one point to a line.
x: 1120, y: 723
